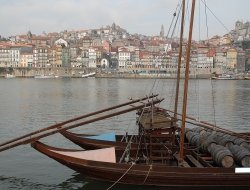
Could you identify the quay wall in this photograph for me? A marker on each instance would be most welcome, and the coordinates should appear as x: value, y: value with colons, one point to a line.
x: 31, y: 72
x: 138, y: 76
x: 77, y: 72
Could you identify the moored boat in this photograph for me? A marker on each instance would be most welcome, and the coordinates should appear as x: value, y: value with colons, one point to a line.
x: 162, y: 156
x: 247, y: 77
x: 224, y: 77
x: 88, y: 75
x: 90, y: 142
x: 90, y: 164
x: 9, y: 76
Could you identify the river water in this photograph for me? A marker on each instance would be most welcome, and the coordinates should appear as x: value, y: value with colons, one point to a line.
x: 30, y: 104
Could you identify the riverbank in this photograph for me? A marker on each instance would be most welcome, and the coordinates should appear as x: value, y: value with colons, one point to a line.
x: 58, y: 71
x: 79, y: 72
x: 99, y: 73
x: 147, y: 76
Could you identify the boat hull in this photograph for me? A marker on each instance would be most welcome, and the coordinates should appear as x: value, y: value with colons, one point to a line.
x: 155, y: 175
x: 91, y: 144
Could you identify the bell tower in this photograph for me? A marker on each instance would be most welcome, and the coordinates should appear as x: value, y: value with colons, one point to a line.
x: 162, y: 31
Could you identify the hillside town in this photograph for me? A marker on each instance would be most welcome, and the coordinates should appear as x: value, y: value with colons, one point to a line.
x: 113, y: 49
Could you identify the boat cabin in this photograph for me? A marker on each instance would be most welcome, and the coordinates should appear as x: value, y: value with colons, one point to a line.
x: 158, y: 130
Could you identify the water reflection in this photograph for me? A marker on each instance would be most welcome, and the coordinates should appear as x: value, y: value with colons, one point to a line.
x: 78, y: 182
x: 21, y: 183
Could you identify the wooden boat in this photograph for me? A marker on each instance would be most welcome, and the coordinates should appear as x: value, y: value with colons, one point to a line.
x: 120, y: 142
x: 161, y: 119
x: 162, y: 156
x: 156, y: 161
x: 145, y: 174
x: 94, y: 142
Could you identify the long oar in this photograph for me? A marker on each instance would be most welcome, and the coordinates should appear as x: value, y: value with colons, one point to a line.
x: 78, y: 118
x: 31, y: 139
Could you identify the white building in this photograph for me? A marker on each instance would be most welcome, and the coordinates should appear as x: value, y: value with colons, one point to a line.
x: 40, y: 56
x: 61, y: 42
x: 167, y: 47
x: 124, y: 58
x: 92, y: 58
x: 220, y: 60
x: 26, y: 59
x: 14, y: 56
x: 204, y: 61
x: 4, y: 56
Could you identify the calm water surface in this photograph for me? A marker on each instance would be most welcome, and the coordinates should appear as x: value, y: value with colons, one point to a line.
x: 30, y: 104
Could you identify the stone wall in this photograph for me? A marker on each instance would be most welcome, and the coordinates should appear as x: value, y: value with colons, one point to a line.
x: 31, y: 72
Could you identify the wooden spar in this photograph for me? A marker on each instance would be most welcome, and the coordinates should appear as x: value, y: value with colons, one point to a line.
x: 179, y: 61
x: 246, y: 137
x: 209, y: 125
x: 188, y: 117
x: 214, y: 127
x: 78, y: 118
x: 60, y: 128
x: 184, y: 108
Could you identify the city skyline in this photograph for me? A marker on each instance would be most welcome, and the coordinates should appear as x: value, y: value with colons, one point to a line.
x: 141, y: 16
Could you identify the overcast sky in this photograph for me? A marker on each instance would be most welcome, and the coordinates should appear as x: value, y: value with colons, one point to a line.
x: 136, y: 16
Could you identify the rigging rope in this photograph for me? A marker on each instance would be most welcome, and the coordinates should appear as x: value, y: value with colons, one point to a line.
x: 121, y: 177
x: 128, y: 147
x: 212, y: 86
x: 203, y: 1
x: 172, y: 20
x: 150, y: 168
x: 173, y: 30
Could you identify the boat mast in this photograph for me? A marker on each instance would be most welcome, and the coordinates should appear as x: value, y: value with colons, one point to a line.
x: 179, y: 62
x: 184, y: 108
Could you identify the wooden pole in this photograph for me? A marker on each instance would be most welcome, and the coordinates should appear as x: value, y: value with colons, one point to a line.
x: 184, y: 108
x: 210, y: 126
x: 78, y: 118
x: 179, y: 61
x: 60, y: 128
x: 192, y: 118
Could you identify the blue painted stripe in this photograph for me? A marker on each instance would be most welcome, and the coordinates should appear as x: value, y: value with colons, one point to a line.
x: 104, y: 137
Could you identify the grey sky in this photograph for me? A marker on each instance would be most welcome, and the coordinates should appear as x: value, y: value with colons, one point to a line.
x: 137, y: 16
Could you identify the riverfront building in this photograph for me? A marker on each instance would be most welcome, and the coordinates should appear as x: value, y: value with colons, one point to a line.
x: 112, y: 47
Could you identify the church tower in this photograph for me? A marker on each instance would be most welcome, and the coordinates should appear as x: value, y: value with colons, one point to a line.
x: 162, y: 31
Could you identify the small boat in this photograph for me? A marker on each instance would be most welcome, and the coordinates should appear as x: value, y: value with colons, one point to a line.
x: 91, y: 142
x: 88, y: 75
x: 224, y: 77
x: 9, y: 76
x: 247, y: 77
